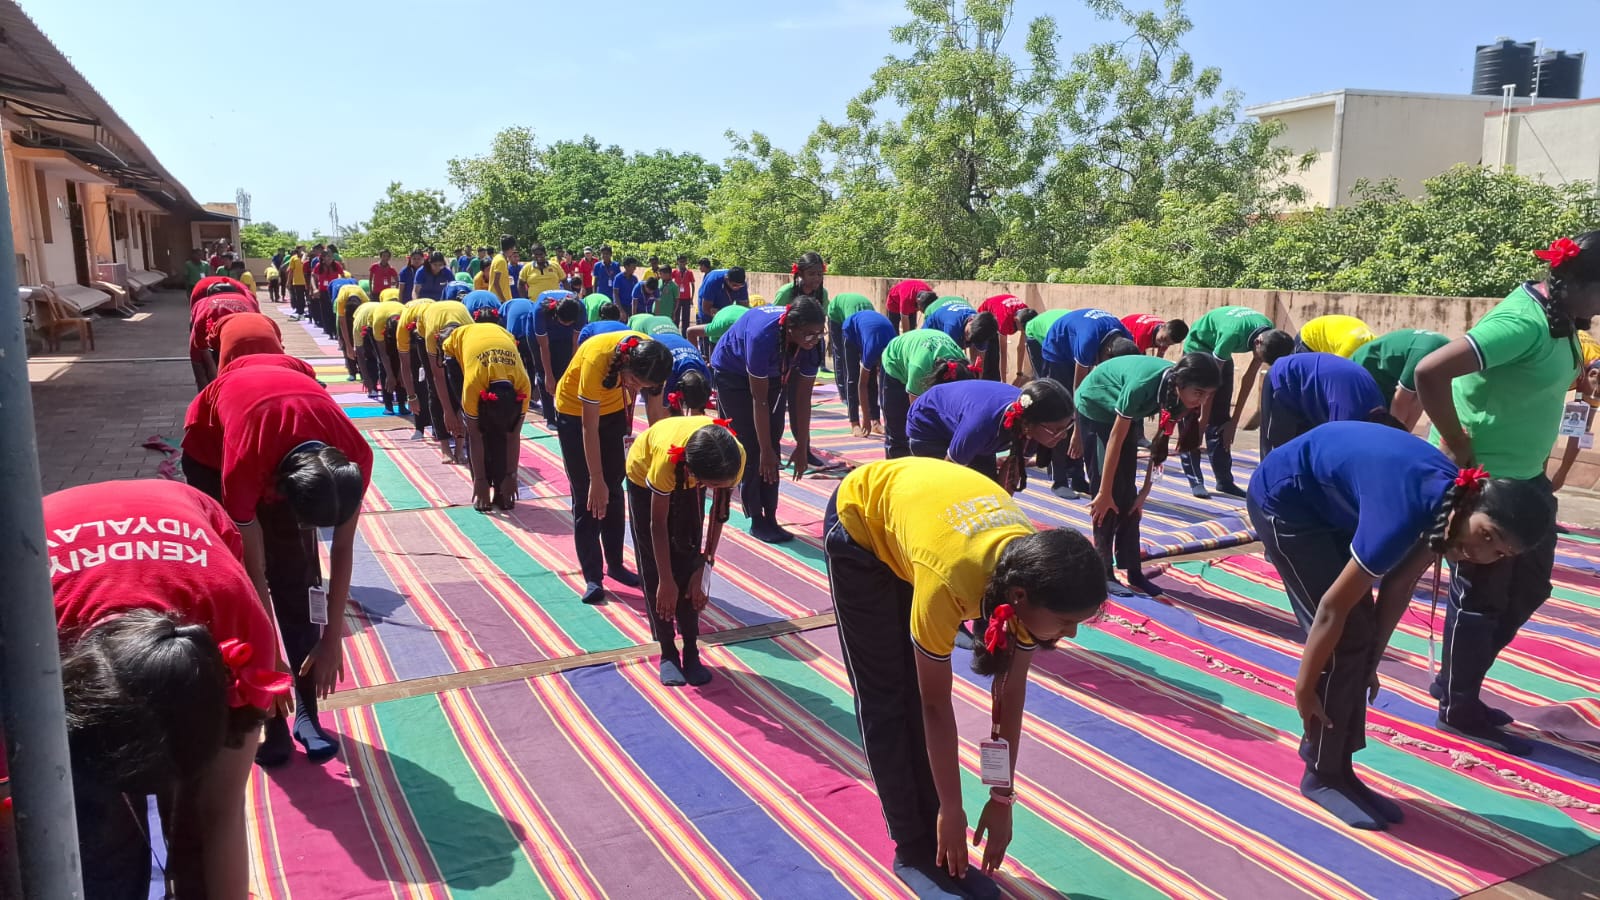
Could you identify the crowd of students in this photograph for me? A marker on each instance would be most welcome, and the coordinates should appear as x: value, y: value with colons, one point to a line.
x: 207, y: 601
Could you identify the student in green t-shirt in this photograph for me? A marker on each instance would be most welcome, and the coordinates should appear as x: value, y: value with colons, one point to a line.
x: 912, y: 363
x: 649, y: 323
x: 1496, y: 398
x: 708, y: 334
x: 1113, y: 401
x: 1392, y: 360
x: 1225, y: 332
x: 840, y: 308
x: 1033, y: 332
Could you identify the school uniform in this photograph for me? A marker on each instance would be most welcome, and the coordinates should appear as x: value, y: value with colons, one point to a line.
x: 839, y: 309
x: 754, y: 348
x: 432, y: 321
x: 598, y: 541
x: 1033, y: 335
x: 622, y: 287
x: 560, y: 341
x: 605, y: 279
x: 910, y: 545
x: 1222, y: 332
x: 902, y: 301
x: 1127, y: 387
x: 862, y: 338
x: 715, y: 294
x: 950, y: 315
x: 964, y: 422
x: 170, y: 549
x: 407, y: 282
x: 1512, y: 409
x: 485, y: 354
x: 1392, y: 359
x: 346, y: 298
x: 245, y: 334
x: 430, y: 285
x: 1143, y: 327
x: 652, y: 472
x: 908, y: 366
x: 1346, y: 490
x: 535, y: 281
x: 683, y: 308
x: 386, y: 349
x: 206, y: 316
x: 1073, y: 340
x: 366, y: 349
x: 686, y: 358
x: 1004, y: 308
x: 1304, y: 390
x: 651, y: 324
x: 482, y: 304
x: 1339, y: 335
x: 329, y: 276
x: 412, y: 355
x: 516, y: 316
x: 598, y: 327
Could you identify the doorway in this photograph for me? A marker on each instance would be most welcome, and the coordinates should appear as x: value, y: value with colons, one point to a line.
x: 80, y: 239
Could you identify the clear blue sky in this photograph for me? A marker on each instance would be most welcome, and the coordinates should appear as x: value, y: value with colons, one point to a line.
x: 259, y: 112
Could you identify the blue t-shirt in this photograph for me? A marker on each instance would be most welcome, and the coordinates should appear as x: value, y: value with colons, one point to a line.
x: 1379, y: 485
x: 462, y: 262
x: 429, y: 284
x: 643, y: 300
x: 514, y: 270
x: 1078, y: 336
x: 455, y: 290
x: 546, y: 323
x: 1324, y: 387
x: 714, y: 293
x: 600, y: 327
x: 951, y: 319
x: 685, y: 357
x: 337, y: 285
x: 517, y: 316
x: 408, y: 278
x: 480, y: 300
x: 605, y: 275
x: 622, y: 291
x: 869, y: 331
x: 967, y: 415
x: 751, y: 347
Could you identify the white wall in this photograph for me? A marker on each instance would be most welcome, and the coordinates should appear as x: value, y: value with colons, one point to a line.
x: 1304, y: 131
x: 1409, y: 139
x: 58, y: 264
x: 1555, y: 144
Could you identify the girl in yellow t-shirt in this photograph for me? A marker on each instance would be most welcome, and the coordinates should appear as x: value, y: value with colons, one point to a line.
x: 494, y: 393
x: 594, y: 413
x: 670, y: 468
x: 916, y: 546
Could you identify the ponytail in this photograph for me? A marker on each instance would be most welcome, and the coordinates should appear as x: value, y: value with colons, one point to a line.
x: 712, y: 453
x: 650, y: 360
x: 1060, y: 572
x: 1572, y: 261
x: 1521, y: 509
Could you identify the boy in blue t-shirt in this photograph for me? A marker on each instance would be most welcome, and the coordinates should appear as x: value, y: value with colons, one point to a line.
x: 1304, y: 390
x: 864, y: 335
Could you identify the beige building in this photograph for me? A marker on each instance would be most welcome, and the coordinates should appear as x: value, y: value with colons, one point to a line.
x: 92, y: 210
x: 1373, y: 135
x: 1554, y: 142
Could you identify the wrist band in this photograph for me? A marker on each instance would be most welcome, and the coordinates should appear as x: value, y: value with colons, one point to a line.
x: 1006, y: 797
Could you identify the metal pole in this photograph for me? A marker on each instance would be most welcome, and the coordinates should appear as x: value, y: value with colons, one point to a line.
x: 30, y: 662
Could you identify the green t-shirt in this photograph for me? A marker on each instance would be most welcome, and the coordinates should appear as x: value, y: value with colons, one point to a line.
x: 1392, y: 359
x: 474, y: 266
x: 593, y: 302
x: 1127, y: 386
x: 1511, y: 408
x: 194, y: 271
x: 787, y: 293
x: 1039, y: 325
x: 667, y: 300
x: 912, y: 357
x: 942, y: 302
x: 846, y: 305
x: 722, y: 321
x: 1225, y: 331
x: 649, y: 323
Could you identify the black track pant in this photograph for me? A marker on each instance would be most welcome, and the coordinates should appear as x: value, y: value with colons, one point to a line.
x: 685, y: 519
x: 598, y: 541
x: 1221, y: 454
x: 895, y: 403
x: 421, y: 378
x: 1116, y: 538
x: 1064, y: 470
x: 734, y: 399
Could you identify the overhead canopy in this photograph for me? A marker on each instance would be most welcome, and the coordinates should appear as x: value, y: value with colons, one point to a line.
x: 53, y: 108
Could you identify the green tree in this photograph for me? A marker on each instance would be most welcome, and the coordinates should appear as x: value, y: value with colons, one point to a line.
x: 499, y: 192
x: 762, y: 213
x: 1189, y: 243
x: 401, y: 221
x: 260, y: 240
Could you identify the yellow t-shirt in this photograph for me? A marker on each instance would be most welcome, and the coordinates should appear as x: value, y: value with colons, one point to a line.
x: 360, y: 321
x: 1342, y: 335
x: 411, y: 317
x: 389, y: 294
x: 487, y: 353
x: 535, y: 282
x: 939, y: 526
x: 437, y: 316
x: 297, y: 270
x: 380, y: 318
x: 248, y: 280
x: 480, y: 281
x: 500, y: 277
x: 272, y: 272
x: 584, y: 376
x: 1590, y: 348
x: 757, y: 300
x: 650, y: 461
x: 347, y: 294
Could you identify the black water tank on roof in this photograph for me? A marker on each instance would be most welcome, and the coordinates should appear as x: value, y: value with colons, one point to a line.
x: 1559, y: 75
x: 1501, y: 63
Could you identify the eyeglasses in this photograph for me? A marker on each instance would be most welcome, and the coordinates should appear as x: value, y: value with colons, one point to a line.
x: 1054, y: 432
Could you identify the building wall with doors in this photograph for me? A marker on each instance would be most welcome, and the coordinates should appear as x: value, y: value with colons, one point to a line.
x: 1556, y: 143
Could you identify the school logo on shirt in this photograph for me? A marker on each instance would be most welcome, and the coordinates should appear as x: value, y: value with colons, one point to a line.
x: 170, y: 540
x: 497, y: 356
x: 970, y: 517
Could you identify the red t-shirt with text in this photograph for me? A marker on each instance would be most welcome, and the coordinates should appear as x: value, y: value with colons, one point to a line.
x: 1004, y: 307
x: 1143, y: 328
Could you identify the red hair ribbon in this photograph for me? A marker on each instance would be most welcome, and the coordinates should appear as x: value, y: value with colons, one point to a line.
x: 366, y: 331
x: 521, y: 397
x: 675, y: 453
x: 951, y: 368
x: 1168, y: 423
x: 1471, y: 480
x: 725, y: 423
x: 783, y: 316
x: 411, y: 325
x: 627, y: 346
x: 794, y: 269
x: 1561, y: 250
x: 994, y: 639
x: 1013, y: 413
x: 675, y: 399
x: 488, y: 396
x: 252, y: 685
x: 975, y: 368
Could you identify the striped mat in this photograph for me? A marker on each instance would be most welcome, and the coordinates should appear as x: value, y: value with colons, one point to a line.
x: 1159, y: 760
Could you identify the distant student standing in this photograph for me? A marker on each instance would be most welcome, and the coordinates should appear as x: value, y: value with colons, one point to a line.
x: 586, y: 270
x: 606, y: 271
x: 1349, y: 504
x: 1392, y: 361
x: 805, y: 281
x: 1153, y: 334
x: 911, y: 363
x: 408, y: 275
x: 1224, y: 332
x: 594, y: 407
x: 1304, y: 390
x: 914, y: 548
x: 671, y: 467
x: 754, y: 363
x: 623, y: 283
x: 431, y: 278
x: 539, y: 274
x: 1112, y: 403
x: 683, y: 277
x: 382, y: 275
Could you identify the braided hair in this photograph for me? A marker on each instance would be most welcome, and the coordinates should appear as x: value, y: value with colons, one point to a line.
x: 1521, y: 509
x: 950, y: 370
x: 694, y: 392
x: 803, y: 310
x: 712, y: 453
x: 1042, y: 400
x: 1060, y: 571
x: 648, y: 359
x: 1577, y: 262
x: 1193, y: 370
